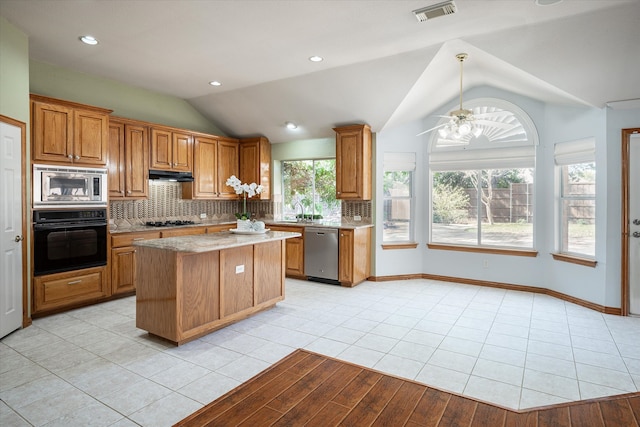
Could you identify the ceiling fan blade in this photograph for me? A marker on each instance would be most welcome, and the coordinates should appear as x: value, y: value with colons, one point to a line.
x: 433, y: 128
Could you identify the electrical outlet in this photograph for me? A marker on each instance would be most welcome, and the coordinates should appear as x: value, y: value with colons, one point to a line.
x: 485, y: 263
x: 357, y: 218
x: 203, y: 215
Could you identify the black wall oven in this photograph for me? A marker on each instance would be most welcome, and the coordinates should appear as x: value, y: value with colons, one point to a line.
x: 66, y: 240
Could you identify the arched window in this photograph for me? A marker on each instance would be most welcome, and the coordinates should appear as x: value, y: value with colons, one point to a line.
x: 482, y: 181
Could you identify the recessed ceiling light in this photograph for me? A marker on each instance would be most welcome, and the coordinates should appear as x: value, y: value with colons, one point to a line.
x: 215, y: 83
x: 547, y: 2
x: 89, y: 40
x: 291, y: 125
x: 315, y: 58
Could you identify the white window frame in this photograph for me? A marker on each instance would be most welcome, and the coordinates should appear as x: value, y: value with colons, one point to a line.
x: 477, y: 155
x: 401, y: 162
x: 570, y: 153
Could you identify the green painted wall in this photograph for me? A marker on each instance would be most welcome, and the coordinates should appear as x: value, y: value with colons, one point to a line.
x: 14, y: 72
x: 307, y: 149
x: 125, y: 101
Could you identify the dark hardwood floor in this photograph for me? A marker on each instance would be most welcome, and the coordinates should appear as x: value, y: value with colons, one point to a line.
x: 309, y: 389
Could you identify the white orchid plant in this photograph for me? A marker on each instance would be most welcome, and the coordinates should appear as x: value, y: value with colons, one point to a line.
x: 247, y: 190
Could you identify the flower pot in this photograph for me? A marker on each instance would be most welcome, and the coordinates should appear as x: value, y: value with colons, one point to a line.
x: 243, y: 225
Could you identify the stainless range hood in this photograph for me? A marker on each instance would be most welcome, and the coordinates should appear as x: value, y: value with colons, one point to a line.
x: 170, y: 176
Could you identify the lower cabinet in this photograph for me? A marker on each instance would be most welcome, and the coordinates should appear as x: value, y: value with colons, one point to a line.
x: 354, y: 262
x: 69, y: 289
x: 123, y: 260
x: 123, y: 253
x: 184, y: 295
x: 294, y: 258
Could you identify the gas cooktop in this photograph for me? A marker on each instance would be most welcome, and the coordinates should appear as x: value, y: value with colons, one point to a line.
x: 168, y: 223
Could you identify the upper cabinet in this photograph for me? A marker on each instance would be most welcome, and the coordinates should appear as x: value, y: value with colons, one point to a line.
x: 69, y: 133
x: 255, y: 164
x: 214, y: 160
x: 228, y: 160
x: 128, y: 159
x: 353, y: 162
x: 171, y: 150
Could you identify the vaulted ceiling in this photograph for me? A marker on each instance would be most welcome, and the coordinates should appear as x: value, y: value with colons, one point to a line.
x: 381, y: 66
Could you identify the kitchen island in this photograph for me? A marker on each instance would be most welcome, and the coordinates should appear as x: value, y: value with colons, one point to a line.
x: 189, y: 286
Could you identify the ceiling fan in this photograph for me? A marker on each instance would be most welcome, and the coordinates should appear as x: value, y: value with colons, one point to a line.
x: 462, y: 122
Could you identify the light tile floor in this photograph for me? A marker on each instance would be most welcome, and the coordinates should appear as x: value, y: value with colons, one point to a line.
x: 92, y: 366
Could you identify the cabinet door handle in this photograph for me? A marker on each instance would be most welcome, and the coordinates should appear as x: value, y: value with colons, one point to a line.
x: 75, y: 282
x: 77, y: 157
x: 128, y: 191
x: 70, y: 156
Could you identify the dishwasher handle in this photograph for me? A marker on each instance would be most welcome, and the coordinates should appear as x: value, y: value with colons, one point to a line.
x: 320, y: 231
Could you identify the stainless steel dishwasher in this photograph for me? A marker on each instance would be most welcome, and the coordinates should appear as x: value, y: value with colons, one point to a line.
x: 321, y: 254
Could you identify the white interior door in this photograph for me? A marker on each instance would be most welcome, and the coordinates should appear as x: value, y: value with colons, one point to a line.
x: 11, y: 239
x: 634, y: 224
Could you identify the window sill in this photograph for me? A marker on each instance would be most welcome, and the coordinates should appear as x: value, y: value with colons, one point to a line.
x: 403, y: 245
x: 575, y: 260
x: 484, y: 250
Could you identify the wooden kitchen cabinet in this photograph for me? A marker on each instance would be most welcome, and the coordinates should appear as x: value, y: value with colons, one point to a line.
x: 69, y: 289
x: 294, y: 255
x: 65, y: 132
x: 354, y: 262
x: 183, y: 231
x: 171, y: 150
x: 128, y: 160
x: 123, y: 260
x: 220, y: 227
x: 353, y: 162
x: 215, y: 159
x: 255, y: 164
x: 184, y: 295
x: 228, y: 157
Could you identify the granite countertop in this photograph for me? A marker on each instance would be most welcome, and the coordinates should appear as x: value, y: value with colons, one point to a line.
x: 132, y: 228
x: 125, y: 227
x: 214, y: 241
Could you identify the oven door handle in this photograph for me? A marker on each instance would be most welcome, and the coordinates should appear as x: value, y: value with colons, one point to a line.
x: 59, y: 226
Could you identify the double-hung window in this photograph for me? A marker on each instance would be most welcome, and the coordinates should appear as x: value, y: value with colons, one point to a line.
x: 576, y: 172
x: 398, y: 182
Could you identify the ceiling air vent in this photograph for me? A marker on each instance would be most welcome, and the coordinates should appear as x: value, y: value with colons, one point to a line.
x: 440, y: 9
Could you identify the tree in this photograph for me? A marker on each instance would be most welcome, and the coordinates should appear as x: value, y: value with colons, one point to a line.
x: 484, y: 181
x: 450, y: 203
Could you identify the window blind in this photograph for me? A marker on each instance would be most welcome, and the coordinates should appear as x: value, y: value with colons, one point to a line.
x: 491, y: 158
x: 394, y: 162
x: 572, y: 152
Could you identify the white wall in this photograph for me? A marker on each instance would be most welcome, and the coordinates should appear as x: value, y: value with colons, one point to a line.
x: 600, y: 285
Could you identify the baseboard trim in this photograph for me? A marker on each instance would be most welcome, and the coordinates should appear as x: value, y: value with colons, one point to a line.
x: 509, y: 286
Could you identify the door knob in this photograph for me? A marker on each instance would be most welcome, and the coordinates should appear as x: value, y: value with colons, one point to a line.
x: 636, y: 234
x: 636, y: 221
x: 19, y: 238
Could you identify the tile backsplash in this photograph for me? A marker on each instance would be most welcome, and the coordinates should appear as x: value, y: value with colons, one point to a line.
x: 165, y: 201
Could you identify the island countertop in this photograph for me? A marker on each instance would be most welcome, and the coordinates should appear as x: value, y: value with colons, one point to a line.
x: 214, y: 241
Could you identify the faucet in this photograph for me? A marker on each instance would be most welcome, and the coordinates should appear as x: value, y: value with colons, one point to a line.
x: 301, y: 209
